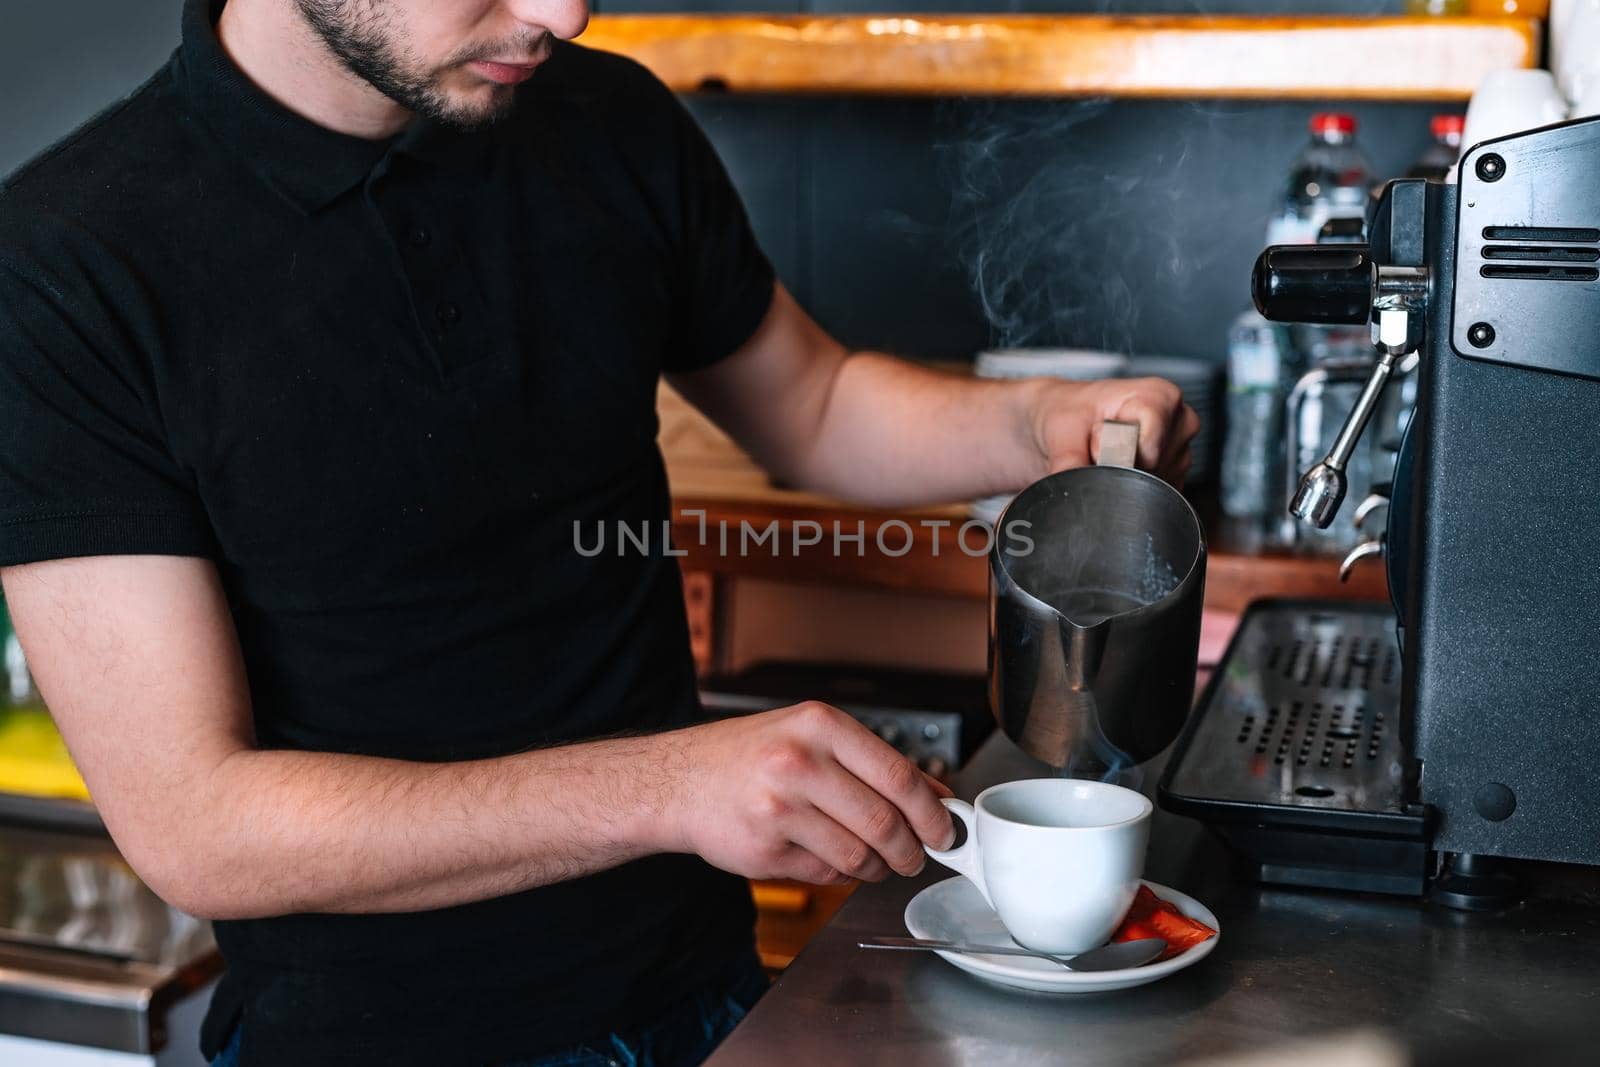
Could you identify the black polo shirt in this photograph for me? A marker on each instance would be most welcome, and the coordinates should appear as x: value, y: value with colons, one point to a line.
x: 379, y: 383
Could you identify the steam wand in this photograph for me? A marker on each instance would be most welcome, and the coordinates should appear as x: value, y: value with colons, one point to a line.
x: 1341, y: 284
x: 1323, y: 488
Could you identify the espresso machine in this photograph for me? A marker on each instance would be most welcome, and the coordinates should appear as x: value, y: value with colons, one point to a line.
x: 1425, y: 748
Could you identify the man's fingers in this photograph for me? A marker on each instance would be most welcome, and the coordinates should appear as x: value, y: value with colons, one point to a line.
x: 801, y: 866
x: 1152, y: 429
x: 1185, y: 424
x: 1176, y: 457
x: 1152, y: 406
x: 872, y: 818
x: 896, y: 779
x: 836, y: 846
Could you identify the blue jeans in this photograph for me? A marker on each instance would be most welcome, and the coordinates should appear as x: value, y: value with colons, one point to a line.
x: 684, y: 1037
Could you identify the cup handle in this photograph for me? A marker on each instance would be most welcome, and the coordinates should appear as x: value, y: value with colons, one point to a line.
x: 964, y: 860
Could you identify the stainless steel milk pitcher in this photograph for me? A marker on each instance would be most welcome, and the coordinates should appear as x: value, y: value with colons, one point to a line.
x: 1096, y: 576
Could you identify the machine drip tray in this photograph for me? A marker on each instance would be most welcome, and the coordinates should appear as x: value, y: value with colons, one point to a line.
x: 1294, y: 755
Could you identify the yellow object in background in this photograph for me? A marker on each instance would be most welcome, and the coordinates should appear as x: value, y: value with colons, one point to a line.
x: 33, y: 758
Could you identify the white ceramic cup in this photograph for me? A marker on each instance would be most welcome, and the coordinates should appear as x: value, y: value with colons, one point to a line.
x: 1058, y: 859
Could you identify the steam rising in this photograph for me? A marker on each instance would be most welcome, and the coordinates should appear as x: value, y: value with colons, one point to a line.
x: 1050, y: 233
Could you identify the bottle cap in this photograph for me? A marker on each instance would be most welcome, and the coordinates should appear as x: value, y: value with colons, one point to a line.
x: 1447, y: 126
x: 1326, y: 122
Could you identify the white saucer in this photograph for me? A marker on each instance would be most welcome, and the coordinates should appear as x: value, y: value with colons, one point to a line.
x: 953, y: 910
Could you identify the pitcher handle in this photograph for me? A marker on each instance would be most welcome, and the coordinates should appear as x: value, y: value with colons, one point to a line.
x: 1119, y: 444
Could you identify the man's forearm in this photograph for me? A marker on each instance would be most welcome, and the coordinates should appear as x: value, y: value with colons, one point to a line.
x: 882, y: 431
x: 280, y: 832
x: 893, y: 433
x: 223, y: 829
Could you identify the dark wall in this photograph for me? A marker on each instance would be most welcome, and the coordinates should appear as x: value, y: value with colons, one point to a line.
x: 62, y: 61
x: 1109, y: 224
x: 1124, y: 225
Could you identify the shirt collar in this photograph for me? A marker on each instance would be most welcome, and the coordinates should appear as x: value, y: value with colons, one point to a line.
x: 309, y: 165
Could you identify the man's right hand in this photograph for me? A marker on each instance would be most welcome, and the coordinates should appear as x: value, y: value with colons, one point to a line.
x: 804, y: 792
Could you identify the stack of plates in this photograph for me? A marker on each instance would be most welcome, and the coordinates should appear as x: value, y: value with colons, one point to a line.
x: 1077, y: 364
x: 1201, y: 382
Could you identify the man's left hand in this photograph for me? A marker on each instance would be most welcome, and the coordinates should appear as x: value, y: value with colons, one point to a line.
x: 1066, y: 419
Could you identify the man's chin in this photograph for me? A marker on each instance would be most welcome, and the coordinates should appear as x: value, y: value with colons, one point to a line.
x: 478, y: 110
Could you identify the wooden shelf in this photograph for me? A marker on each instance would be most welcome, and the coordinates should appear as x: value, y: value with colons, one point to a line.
x: 1308, y: 57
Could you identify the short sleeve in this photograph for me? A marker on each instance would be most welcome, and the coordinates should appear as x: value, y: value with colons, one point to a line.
x: 84, y: 468
x: 726, y: 280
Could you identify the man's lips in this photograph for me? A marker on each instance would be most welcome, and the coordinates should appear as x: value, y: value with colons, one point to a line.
x: 504, y: 73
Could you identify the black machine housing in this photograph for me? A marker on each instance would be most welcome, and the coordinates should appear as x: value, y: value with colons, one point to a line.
x: 1501, y: 593
x: 1493, y: 545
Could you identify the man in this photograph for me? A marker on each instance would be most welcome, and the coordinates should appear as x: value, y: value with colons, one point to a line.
x: 313, y: 353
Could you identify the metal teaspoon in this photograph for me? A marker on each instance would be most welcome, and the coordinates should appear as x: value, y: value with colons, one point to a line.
x: 1117, y: 956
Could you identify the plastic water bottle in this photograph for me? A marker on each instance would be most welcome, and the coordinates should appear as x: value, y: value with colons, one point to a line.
x: 1439, y: 158
x: 1252, y: 453
x: 1329, y: 179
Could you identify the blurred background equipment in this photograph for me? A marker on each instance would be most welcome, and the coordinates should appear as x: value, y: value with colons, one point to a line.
x: 935, y: 718
x: 95, y: 970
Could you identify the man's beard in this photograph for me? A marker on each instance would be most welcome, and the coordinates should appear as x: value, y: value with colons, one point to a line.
x: 361, y: 37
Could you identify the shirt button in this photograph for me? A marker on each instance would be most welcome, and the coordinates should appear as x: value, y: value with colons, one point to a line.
x: 448, y: 313
x: 420, y: 237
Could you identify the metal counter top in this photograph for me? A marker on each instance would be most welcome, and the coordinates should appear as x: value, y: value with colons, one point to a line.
x: 1291, y: 964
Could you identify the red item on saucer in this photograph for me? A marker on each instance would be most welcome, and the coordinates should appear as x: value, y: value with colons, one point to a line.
x: 1151, y: 916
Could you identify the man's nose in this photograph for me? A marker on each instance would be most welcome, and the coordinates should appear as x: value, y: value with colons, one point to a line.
x: 563, y: 18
